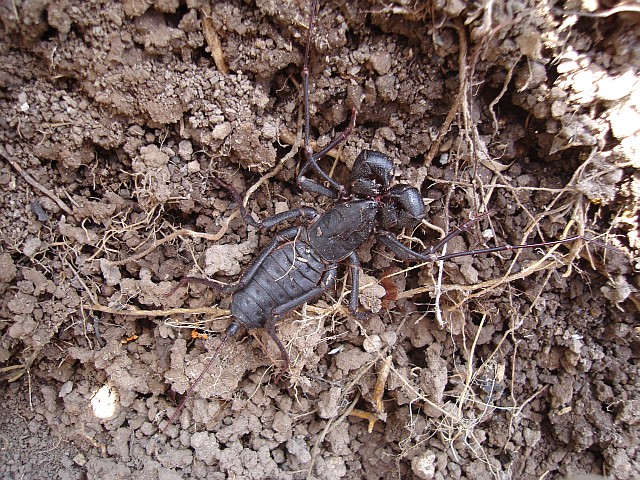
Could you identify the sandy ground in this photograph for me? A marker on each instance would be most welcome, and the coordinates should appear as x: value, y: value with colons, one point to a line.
x: 116, y: 115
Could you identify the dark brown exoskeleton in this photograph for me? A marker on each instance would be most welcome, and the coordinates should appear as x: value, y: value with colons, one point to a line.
x: 301, y: 262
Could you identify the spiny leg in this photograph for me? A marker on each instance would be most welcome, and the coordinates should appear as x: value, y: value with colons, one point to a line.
x: 307, y: 213
x: 354, y: 267
x: 312, y: 162
x: 405, y: 253
x: 270, y: 329
x: 335, y: 190
x: 504, y: 248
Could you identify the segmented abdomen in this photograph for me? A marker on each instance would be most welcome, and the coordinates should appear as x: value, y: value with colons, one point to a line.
x: 285, y: 275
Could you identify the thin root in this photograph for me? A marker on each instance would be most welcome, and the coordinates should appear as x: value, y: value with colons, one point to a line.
x: 372, y: 418
x: 183, y: 231
x: 134, y: 312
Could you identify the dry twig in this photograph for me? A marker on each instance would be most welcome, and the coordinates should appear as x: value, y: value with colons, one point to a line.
x: 33, y: 182
x: 134, y: 312
x: 213, y: 40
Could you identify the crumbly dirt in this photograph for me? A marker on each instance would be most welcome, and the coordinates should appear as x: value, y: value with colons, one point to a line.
x: 116, y: 115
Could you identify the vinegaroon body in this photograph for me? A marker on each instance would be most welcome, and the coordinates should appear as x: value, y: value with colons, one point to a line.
x: 301, y: 262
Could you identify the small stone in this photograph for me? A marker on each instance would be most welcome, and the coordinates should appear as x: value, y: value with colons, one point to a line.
x: 298, y: 448
x: 625, y: 121
x: 387, y: 133
x: 583, y: 83
x: 390, y: 338
x: 372, y: 344
x: 8, y: 269
x: 221, y: 131
x: 148, y: 428
x: 531, y: 75
x: 558, y: 109
x: 615, y: 88
x: 328, y: 403
x: 185, y: 149
x: 386, y: 87
x: 541, y: 110
x: 66, y: 389
x: 453, y: 8
x: 530, y: 45
x: 280, y: 207
x: 269, y: 131
x: 136, y: 130
x: 561, y: 394
x: 193, y: 166
x: 620, y: 291
x: 424, y: 466
x: 23, y: 104
x: 153, y: 157
x: 628, y: 150
x: 371, y: 293
x: 282, y: 422
x: 381, y: 62
x: 567, y: 66
x: 31, y: 246
x: 111, y: 273
x: 531, y: 437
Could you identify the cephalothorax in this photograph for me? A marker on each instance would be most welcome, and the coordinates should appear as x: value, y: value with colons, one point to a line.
x: 301, y: 262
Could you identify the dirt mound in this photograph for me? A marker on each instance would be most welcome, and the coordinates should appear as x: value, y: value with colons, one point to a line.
x: 115, y: 117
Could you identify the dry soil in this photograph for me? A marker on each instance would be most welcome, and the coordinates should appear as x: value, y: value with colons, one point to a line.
x: 116, y: 115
